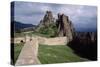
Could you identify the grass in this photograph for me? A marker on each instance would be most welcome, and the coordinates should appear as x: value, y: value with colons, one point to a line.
x: 19, y: 35
x: 57, y: 54
x: 17, y: 50
x: 48, y: 31
x: 39, y: 34
x: 51, y: 54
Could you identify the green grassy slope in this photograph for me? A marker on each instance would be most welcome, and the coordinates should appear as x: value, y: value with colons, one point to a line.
x: 17, y: 50
x: 57, y: 54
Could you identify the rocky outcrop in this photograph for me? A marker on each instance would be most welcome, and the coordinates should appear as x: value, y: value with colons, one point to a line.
x: 63, y: 24
x: 65, y: 27
x: 86, y: 37
x: 46, y: 21
x: 85, y: 45
x: 48, y: 18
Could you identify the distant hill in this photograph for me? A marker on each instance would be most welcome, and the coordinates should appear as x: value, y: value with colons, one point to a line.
x: 19, y: 25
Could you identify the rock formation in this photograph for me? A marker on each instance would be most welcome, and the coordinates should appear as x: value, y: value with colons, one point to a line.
x: 47, y: 20
x: 85, y: 45
x: 65, y: 27
x: 63, y: 24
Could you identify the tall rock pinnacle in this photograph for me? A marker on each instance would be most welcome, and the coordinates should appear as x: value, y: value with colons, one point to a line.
x: 65, y: 27
x: 48, y: 18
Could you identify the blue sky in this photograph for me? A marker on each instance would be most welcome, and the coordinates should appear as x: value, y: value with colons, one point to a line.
x: 82, y: 17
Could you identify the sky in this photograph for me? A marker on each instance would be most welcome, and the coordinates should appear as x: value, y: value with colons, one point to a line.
x: 82, y: 16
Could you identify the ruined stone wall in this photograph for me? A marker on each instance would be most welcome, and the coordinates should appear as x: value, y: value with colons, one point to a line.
x: 18, y: 40
x: 53, y: 41
x: 46, y: 41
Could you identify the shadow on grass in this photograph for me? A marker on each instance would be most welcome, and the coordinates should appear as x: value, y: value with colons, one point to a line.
x: 84, y: 47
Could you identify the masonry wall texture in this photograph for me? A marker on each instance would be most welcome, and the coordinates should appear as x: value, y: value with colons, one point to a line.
x: 46, y: 41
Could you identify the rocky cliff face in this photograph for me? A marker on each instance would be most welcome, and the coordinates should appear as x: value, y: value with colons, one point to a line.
x: 65, y: 27
x: 85, y: 45
x: 47, y: 20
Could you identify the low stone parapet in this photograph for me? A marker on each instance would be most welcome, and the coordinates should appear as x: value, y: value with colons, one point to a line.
x: 45, y: 41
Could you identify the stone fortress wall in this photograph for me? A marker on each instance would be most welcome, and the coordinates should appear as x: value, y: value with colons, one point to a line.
x: 44, y: 41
